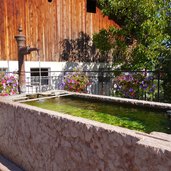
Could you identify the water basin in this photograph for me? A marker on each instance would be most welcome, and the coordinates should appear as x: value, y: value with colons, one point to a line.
x: 141, y: 119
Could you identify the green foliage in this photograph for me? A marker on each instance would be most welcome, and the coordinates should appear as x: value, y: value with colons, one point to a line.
x: 102, y: 41
x: 165, y: 66
x: 145, y: 25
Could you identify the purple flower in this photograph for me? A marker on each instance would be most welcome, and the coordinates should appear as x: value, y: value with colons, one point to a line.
x: 151, y: 90
x: 9, y: 81
x: 131, y: 90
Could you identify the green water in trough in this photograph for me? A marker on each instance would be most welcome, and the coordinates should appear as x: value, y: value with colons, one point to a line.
x: 140, y: 119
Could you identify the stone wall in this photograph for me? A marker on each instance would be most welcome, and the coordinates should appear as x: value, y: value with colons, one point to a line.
x: 42, y: 140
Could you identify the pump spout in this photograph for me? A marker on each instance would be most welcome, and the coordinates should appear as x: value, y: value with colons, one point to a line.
x: 33, y: 49
x: 27, y: 50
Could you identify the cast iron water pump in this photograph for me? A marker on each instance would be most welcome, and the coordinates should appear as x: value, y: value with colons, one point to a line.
x: 22, y: 51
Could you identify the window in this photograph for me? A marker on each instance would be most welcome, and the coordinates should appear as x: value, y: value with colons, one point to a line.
x: 3, y: 69
x: 91, y: 6
x: 38, y: 74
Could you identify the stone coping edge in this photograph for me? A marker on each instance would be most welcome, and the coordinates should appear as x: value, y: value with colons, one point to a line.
x: 132, y: 102
x: 138, y: 103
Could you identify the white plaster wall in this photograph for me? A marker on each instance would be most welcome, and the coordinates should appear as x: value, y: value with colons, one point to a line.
x: 10, y: 65
x: 57, y: 67
x: 53, y: 66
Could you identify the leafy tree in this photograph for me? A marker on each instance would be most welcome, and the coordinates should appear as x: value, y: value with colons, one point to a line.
x: 165, y: 66
x: 143, y: 34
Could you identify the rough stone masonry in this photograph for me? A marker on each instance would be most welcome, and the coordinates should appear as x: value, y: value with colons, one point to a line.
x: 42, y: 140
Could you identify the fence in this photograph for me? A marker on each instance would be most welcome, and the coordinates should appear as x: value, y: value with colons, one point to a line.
x: 144, y: 85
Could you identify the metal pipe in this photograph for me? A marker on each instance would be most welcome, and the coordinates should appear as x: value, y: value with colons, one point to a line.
x: 22, y: 50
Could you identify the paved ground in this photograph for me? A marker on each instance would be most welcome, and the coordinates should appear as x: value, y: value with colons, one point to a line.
x: 6, y: 165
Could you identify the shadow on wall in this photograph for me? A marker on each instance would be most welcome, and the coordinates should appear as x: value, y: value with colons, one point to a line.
x: 81, y: 49
x: 87, y: 66
x: 95, y: 71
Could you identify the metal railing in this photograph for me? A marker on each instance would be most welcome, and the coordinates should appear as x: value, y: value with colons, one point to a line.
x: 101, y: 83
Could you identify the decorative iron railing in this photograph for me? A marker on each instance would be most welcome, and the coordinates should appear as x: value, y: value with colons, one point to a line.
x: 144, y: 85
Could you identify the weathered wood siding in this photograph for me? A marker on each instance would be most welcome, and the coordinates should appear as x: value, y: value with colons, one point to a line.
x: 45, y: 25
